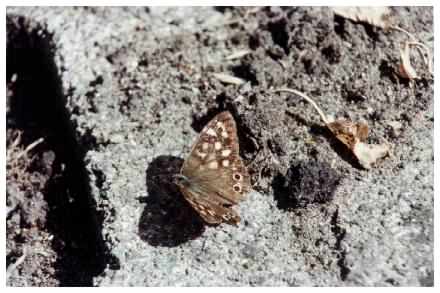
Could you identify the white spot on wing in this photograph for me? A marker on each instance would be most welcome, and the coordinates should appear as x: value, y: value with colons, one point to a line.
x: 211, y: 132
x: 213, y: 165
x: 201, y: 155
x: 226, y: 153
x: 217, y: 145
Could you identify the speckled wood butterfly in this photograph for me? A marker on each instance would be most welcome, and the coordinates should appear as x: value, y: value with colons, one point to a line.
x: 213, y: 178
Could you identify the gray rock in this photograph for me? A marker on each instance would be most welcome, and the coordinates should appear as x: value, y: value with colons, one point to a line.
x: 138, y: 86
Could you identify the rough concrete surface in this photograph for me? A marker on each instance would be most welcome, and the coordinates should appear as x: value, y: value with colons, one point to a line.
x: 120, y: 95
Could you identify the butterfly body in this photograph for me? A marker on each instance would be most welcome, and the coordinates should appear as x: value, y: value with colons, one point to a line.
x: 213, y: 178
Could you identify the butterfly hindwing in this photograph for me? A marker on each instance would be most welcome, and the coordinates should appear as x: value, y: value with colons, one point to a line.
x: 210, y: 212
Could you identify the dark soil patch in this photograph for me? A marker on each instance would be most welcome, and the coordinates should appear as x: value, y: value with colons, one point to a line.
x: 305, y: 183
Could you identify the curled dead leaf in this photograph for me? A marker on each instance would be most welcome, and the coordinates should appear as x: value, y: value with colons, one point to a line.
x: 424, y: 51
x: 353, y: 136
x: 375, y: 15
x: 405, y: 69
x: 369, y: 154
x: 350, y: 134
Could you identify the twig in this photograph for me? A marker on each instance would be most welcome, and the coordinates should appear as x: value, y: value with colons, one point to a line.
x: 30, y: 147
x: 419, y: 45
x: 320, y: 112
x: 13, y: 146
x: 404, y: 31
x: 14, y: 266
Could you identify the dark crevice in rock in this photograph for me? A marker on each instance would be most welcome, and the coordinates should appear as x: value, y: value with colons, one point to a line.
x: 37, y: 107
x: 280, y: 35
x: 246, y: 72
x: 339, y: 234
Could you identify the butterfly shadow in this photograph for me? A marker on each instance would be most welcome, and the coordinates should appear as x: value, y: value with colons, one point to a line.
x: 167, y: 219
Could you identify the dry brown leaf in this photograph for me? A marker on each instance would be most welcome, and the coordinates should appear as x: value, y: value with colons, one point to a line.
x: 226, y: 78
x: 375, y: 15
x: 353, y: 136
x: 350, y: 134
x: 405, y: 69
x: 369, y: 154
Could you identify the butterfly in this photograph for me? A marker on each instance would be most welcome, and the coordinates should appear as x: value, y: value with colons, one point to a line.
x: 213, y: 178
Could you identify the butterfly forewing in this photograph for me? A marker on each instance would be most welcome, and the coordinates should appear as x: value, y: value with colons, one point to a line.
x: 217, y: 176
x: 212, y: 136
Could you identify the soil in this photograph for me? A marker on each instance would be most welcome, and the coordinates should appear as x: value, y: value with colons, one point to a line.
x: 119, y: 95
